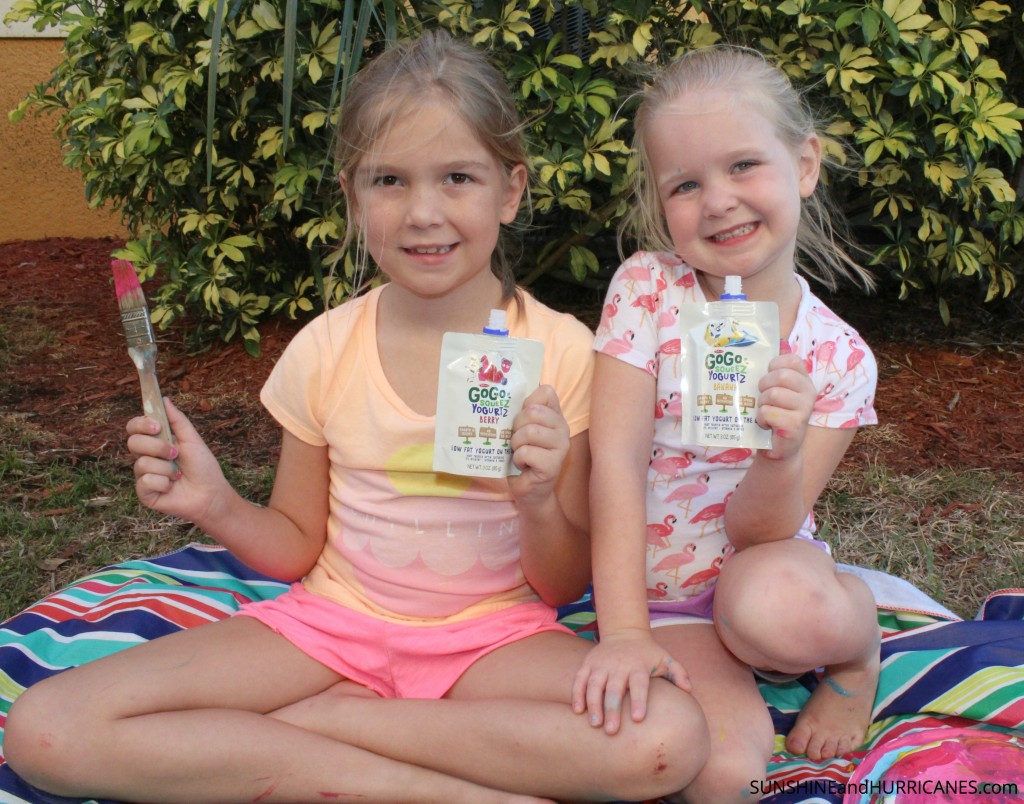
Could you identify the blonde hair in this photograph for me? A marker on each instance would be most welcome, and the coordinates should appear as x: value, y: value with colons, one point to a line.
x: 433, y: 68
x: 766, y: 89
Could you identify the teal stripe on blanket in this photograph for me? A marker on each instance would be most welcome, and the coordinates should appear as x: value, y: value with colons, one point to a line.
x: 250, y: 589
x: 57, y: 652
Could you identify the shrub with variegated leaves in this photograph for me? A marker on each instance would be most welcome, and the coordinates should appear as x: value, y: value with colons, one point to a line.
x: 235, y: 223
x: 231, y: 199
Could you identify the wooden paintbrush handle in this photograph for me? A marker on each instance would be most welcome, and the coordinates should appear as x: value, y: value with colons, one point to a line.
x: 152, y: 400
x: 153, y: 403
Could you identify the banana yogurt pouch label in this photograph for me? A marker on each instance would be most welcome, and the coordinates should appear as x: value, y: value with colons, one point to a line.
x: 725, y: 349
x: 482, y: 382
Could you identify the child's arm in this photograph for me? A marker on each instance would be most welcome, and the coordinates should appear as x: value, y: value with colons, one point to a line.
x: 783, y: 483
x: 627, y: 657
x: 282, y: 540
x: 551, y: 497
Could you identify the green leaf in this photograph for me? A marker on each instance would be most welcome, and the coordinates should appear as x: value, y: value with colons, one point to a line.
x: 248, y: 30
x: 870, y: 23
x: 139, y: 34
x: 905, y: 16
x: 241, y: 241
x: 568, y: 60
x: 873, y: 151
x: 264, y: 14
x: 601, y: 164
x: 582, y: 261
x: 599, y: 105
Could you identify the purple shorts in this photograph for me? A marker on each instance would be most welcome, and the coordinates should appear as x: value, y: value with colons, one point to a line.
x: 700, y: 607
x: 393, y: 660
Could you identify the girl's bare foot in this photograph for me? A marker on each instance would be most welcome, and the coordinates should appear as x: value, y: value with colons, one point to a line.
x: 836, y: 718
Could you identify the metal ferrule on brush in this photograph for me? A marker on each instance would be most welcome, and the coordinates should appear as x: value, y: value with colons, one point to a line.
x: 138, y: 330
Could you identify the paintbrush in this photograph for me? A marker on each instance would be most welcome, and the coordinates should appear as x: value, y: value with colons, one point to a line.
x: 138, y: 331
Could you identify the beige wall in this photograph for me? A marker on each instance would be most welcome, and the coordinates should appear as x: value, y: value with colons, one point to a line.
x: 39, y: 197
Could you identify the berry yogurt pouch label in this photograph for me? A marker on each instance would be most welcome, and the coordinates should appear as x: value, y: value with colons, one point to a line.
x: 482, y: 382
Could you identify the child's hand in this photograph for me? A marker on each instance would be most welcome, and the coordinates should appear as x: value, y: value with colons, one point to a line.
x: 617, y: 665
x: 540, y: 442
x: 189, y: 492
x: 787, y: 397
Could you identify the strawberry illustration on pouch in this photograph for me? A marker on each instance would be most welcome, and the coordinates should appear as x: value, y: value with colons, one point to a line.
x: 491, y: 373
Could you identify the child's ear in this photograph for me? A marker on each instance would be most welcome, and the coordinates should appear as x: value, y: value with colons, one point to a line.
x: 809, y: 165
x: 515, y: 186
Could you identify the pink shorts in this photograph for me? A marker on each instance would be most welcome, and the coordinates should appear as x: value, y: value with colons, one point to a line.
x: 395, y: 661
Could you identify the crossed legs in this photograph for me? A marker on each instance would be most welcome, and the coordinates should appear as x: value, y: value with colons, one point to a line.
x: 186, y: 717
x: 508, y: 723
x: 182, y: 718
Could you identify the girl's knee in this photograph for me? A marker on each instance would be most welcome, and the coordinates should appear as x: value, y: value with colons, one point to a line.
x: 772, y: 599
x: 737, y: 761
x: 666, y: 751
x: 46, y: 738
x: 728, y: 776
x: 34, y: 745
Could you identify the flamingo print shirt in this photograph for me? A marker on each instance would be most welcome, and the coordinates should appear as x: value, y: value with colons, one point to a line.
x: 406, y: 543
x: 688, y: 485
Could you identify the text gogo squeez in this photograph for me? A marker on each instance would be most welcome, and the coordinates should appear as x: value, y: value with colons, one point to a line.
x: 725, y: 349
x: 482, y: 383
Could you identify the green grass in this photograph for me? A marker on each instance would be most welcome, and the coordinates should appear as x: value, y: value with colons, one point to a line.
x: 956, y: 535
x: 61, y: 518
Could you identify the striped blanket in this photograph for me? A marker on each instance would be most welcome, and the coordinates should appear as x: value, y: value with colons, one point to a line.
x: 936, y: 671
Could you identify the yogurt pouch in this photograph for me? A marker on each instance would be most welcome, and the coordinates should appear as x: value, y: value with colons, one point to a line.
x: 482, y: 382
x: 725, y: 348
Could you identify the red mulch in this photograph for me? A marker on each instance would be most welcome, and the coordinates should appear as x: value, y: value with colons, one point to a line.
x: 946, y: 397
x: 82, y: 387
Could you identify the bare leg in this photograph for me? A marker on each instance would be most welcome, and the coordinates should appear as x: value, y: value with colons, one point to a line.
x: 181, y: 719
x: 782, y: 606
x: 508, y: 723
x: 835, y: 719
x: 741, y: 735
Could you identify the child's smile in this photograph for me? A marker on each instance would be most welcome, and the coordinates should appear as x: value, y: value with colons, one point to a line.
x: 431, y: 249
x: 734, y: 234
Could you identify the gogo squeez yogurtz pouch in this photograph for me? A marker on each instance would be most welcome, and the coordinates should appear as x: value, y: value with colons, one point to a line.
x: 725, y: 348
x: 482, y: 383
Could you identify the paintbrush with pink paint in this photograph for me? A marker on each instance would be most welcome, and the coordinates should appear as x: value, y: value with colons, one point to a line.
x: 138, y: 331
